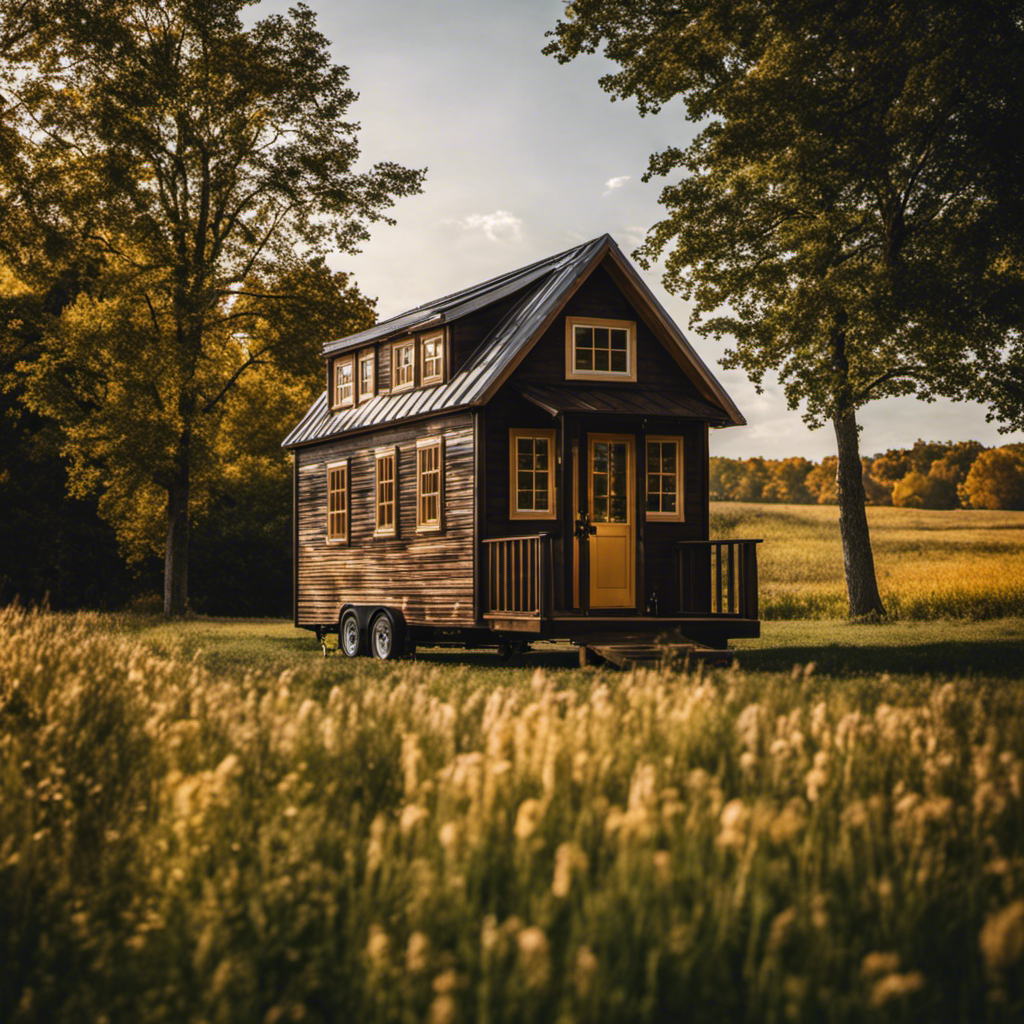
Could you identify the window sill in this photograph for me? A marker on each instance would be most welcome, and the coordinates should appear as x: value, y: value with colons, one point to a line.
x: 592, y: 375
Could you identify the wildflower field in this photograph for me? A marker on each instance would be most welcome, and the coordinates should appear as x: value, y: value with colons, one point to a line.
x: 357, y: 841
x: 961, y: 564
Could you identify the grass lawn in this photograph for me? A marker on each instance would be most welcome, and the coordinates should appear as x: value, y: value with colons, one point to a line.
x: 991, y: 648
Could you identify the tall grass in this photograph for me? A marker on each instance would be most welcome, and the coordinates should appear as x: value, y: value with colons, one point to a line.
x: 930, y: 564
x: 181, y: 845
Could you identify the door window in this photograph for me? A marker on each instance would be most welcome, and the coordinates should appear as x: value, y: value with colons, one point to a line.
x: 611, y: 482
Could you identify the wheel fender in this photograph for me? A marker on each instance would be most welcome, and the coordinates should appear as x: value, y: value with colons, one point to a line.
x: 365, y: 614
x: 398, y: 626
x: 349, y: 606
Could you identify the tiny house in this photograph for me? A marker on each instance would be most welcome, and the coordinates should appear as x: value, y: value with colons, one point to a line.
x: 525, y: 459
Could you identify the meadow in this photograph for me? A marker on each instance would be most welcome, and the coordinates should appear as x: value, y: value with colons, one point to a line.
x: 207, y: 837
x: 207, y: 821
x: 962, y: 564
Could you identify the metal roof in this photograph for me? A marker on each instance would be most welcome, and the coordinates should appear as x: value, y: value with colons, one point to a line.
x: 459, y: 304
x: 619, y: 401
x: 545, y: 286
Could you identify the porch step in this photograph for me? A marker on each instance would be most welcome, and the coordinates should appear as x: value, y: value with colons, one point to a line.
x: 645, y: 653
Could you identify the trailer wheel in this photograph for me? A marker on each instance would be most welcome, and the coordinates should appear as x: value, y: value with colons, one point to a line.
x: 349, y: 638
x: 382, y: 637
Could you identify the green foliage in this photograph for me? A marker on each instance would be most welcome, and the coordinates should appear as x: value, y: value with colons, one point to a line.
x: 201, y: 170
x: 179, y: 844
x: 847, y: 212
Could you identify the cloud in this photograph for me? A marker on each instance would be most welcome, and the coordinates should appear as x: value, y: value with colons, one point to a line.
x: 613, y: 183
x: 500, y: 226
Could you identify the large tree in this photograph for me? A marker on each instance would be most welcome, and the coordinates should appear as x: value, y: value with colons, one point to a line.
x: 202, y: 169
x: 849, y: 212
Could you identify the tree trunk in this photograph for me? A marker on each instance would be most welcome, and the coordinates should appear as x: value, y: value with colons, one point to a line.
x: 861, y: 587
x: 176, y: 557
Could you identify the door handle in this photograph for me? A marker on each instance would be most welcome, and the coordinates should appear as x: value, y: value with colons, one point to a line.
x: 584, y: 528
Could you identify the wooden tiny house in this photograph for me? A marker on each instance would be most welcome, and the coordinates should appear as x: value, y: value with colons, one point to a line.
x: 524, y: 459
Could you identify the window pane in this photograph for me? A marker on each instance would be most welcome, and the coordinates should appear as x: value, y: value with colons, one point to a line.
x: 618, y: 363
x: 542, y: 453
x: 668, y: 502
x: 540, y: 482
x: 601, y: 359
x: 582, y: 335
x: 541, y: 500
x: 619, y: 340
x: 668, y: 458
x: 524, y: 500
x: 524, y: 445
x: 584, y: 359
x: 653, y: 458
x: 525, y: 461
x: 601, y: 337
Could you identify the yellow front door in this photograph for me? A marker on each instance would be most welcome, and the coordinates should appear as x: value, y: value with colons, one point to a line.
x: 611, y: 498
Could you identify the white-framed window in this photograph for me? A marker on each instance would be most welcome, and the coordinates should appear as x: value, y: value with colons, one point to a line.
x: 599, y: 349
x: 367, y: 382
x: 665, y: 478
x: 531, y: 474
x: 386, y: 496
x: 432, y: 358
x: 337, y: 502
x: 429, y: 484
x: 343, y: 382
x: 403, y: 365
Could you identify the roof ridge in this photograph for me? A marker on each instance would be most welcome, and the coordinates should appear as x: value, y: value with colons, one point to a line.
x: 453, y: 298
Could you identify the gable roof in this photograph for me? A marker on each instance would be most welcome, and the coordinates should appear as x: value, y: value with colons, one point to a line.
x: 545, y: 286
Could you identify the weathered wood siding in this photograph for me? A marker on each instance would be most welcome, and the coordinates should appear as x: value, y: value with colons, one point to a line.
x: 428, y: 575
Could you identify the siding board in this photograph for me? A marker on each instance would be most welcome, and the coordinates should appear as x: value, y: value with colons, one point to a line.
x: 428, y: 576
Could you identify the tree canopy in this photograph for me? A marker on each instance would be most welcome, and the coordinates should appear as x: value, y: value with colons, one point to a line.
x: 849, y: 212
x: 195, y: 172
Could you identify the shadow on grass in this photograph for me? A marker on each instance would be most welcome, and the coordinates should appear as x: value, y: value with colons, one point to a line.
x: 560, y: 656
x: 1001, y: 659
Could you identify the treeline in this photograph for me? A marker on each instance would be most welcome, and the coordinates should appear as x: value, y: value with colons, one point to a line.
x: 931, y: 474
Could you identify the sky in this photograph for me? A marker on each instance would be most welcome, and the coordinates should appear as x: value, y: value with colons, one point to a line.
x: 526, y: 157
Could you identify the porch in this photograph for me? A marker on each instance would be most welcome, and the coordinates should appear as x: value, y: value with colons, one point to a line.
x: 716, y: 597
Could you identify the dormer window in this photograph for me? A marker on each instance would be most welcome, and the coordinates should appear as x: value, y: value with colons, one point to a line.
x: 600, y: 349
x: 367, y: 375
x: 432, y: 358
x: 403, y: 365
x: 342, y: 393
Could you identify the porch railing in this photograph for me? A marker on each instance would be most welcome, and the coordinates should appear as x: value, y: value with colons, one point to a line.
x: 519, y: 576
x: 718, y: 577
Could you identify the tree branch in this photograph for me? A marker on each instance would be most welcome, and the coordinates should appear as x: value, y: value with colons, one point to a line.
x: 921, y: 372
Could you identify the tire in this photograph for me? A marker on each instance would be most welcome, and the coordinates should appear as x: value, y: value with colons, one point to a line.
x: 383, y: 642
x: 350, y: 639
